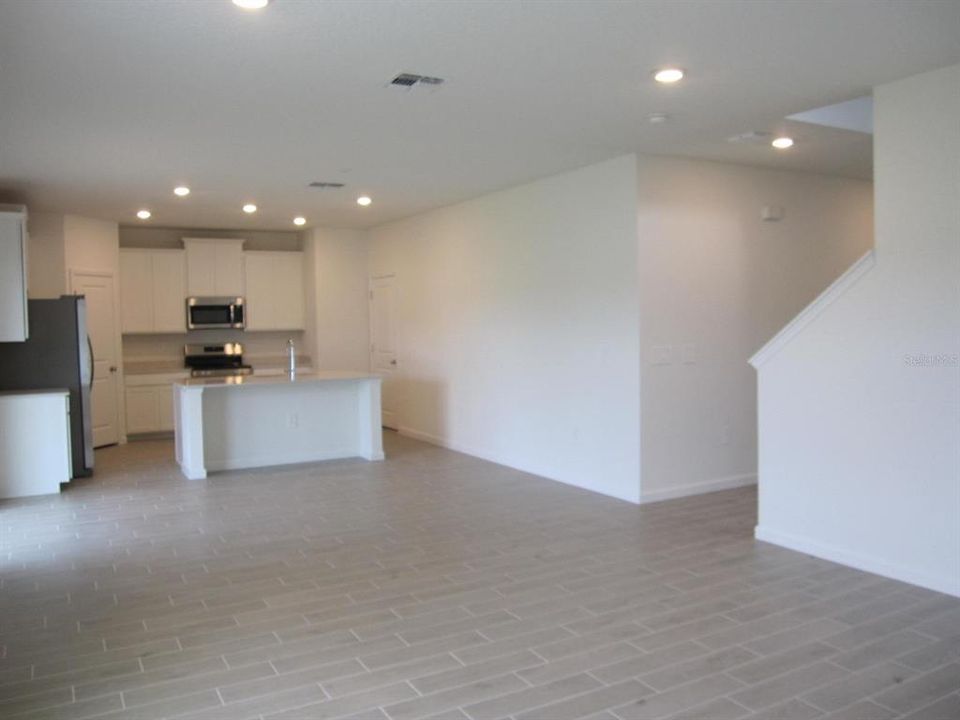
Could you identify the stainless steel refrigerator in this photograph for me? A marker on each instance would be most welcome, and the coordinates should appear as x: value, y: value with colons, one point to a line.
x: 58, y: 354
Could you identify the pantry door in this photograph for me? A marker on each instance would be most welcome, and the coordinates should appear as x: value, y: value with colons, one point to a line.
x: 383, y: 349
x: 97, y: 287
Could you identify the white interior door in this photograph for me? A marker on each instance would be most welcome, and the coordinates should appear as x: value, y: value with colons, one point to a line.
x: 383, y: 351
x: 102, y: 329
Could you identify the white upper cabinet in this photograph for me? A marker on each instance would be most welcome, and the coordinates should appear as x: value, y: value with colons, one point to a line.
x: 136, y: 291
x: 169, y: 291
x: 13, y: 273
x: 214, y: 267
x: 153, y: 291
x: 274, y: 299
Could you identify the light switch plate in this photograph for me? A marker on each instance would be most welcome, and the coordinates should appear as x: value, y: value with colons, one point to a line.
x: 662, y: 355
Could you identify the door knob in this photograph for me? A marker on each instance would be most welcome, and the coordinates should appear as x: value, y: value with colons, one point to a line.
x: 393, y: 362
x: 113, y: 368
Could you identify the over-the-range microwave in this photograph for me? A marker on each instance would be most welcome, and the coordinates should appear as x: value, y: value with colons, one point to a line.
x: 215, y: 312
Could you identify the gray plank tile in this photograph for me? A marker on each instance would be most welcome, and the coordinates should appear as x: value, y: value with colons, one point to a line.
x: 348, y: 704
x: 534, y: 697
x: 921, y: 690
x: 590, y: 702
x: 787, y: 685
x: 451, y: 698
x: 679, y: 699
x: 859, y: 686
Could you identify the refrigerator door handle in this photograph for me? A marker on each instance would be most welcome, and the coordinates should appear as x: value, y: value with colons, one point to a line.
x: 92, y: 364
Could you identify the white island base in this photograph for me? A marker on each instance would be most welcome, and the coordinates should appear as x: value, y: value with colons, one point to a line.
x: 233, y: 423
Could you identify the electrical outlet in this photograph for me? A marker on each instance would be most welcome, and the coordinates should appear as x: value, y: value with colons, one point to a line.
x: 293, y: 420
x: 662, y: 355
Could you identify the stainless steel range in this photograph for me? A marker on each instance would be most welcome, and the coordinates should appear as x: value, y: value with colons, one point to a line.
x: 215, y: 360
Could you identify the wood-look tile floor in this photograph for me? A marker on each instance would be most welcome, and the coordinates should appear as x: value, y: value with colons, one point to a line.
x: 438, y: 585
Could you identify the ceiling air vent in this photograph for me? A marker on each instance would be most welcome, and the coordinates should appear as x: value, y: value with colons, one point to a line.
x: 325, y: 185
x: 409, y: 80
x: 751, y: 137
x: 405, y: 80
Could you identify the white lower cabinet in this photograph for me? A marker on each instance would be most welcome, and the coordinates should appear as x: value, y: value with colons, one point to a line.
x: 142, y: 408
x: 149, y: 405
x: 34, y: 442
x: 165, y: 408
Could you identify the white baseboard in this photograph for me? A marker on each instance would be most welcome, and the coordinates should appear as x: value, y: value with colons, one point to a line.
x: 698, y: 488
x: 868, y: 563
x: 277, y: 459
x: 444, y: 443
x: 426, y: 437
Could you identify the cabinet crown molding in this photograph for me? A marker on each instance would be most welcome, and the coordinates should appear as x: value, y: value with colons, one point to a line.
x: 212, y: 241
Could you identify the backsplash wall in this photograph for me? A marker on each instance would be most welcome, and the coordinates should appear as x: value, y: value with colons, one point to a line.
x: 169, y: 348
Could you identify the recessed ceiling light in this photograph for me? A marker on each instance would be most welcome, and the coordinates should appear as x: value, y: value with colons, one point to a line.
x: 251, y: 4
x: 657, y: 118
x: 668, y: 75
x: 364, y: 200
x: 299, y: 220
x: 143, y: 214
x: 181, y: 191
x: 782, y: 143
x: 249, y: 208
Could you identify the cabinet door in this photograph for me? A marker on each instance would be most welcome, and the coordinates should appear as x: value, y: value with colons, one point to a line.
x: 169, y: 291
x: 288, y: 273
x: 202, y: 270
x: 13, y: 278
x: 143, y: 412
x: 229, y: 282
x: 260, y: 290
x: 165, y: 408
x: 136, y: 294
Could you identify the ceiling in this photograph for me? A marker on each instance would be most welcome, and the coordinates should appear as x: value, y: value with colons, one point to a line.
x: 106, y: 105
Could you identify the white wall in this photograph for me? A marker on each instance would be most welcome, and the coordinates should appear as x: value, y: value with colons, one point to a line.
x: 518, y: 326
x: 46, y: 256
x: 716, y: 282
x: 91, y: 244
x: 338, y: 319
x: 860, y: 439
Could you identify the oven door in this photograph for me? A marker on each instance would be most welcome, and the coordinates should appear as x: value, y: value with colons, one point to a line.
x: 215, y: 312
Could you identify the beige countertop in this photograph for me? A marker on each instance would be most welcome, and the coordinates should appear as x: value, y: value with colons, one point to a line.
x: 44, y: 391
x: 301, y: 378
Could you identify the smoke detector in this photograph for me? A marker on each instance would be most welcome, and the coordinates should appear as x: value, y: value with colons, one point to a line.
x: 751, y: 137
x: 325, y: 185
x: 408, y: 81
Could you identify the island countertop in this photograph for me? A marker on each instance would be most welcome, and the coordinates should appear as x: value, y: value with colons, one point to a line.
x: 284, y: 379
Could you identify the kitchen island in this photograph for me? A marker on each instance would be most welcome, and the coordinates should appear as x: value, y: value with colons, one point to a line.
x: 244, y: 422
